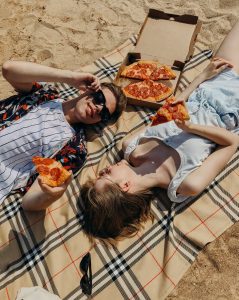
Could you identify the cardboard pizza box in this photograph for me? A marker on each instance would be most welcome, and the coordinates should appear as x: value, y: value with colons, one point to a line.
x: 167, y: 38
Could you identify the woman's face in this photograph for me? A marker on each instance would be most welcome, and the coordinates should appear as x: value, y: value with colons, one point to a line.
x: 116, y: 174
x: 89, y: 112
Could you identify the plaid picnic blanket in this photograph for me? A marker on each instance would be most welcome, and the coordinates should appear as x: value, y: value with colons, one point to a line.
x: 45, y: 248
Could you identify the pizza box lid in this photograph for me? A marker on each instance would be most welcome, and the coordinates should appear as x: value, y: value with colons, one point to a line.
x: 167, y: 38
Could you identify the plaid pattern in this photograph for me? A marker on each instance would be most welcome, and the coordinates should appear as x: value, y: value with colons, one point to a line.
x: 45, y: 248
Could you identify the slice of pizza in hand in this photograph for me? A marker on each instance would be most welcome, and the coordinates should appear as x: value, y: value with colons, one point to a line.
x: 169, y: 112
x: 147, y: 90
x: 52, y: 172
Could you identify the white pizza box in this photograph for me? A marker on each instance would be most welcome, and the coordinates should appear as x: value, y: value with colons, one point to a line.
x: 164, y: 37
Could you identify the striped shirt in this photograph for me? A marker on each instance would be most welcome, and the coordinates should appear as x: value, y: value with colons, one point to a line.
x: 42, y: 131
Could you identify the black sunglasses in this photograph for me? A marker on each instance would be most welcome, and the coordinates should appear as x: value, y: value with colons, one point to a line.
x: 86, y: 280
x: 99, y: 98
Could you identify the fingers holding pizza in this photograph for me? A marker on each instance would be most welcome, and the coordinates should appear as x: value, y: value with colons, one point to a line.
x: 56, y: 191
x: 50, y: 185
x: 172, y: 110
x: 52, y: 172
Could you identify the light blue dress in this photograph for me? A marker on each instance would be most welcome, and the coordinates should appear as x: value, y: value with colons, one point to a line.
x: 215, y: 102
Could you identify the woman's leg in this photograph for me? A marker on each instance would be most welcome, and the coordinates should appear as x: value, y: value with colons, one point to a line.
x: 229, y: 48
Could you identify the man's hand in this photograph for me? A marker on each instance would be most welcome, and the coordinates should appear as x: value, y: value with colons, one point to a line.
x: 85, y: 81
x: 216, y: 66
x: 54, y: 192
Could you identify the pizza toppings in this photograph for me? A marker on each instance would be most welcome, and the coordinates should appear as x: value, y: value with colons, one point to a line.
x: 169, y: 112
x: 52, y: 172
x: 163, y: 72
x: 147, y: 90
x: 148, y: 70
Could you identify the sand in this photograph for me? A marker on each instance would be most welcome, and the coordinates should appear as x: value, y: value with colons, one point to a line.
x: 72, y: 33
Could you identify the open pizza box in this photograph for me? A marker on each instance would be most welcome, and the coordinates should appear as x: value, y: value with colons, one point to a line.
x: 166, y: 38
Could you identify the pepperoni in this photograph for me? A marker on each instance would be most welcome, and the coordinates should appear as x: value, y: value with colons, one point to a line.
x: 48, y: 161
x: 178, y: 115
x: 145, y: 93
x: 136, y: 67
x: 43, y: 170
x: 55, y: 173
x: 130, y: 73
x: 36, y: 159
x: 172, y: 109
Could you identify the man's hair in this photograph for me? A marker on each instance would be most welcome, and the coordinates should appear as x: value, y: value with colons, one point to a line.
x: 113, y: 214
x: 121, y: 99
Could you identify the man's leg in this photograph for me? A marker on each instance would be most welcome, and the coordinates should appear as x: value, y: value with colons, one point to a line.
x: 229, y: 48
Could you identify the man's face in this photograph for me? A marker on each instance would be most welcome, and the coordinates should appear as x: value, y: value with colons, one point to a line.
x: 88, y: 111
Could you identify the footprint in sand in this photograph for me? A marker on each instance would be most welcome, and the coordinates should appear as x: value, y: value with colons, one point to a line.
x: 44, y: 54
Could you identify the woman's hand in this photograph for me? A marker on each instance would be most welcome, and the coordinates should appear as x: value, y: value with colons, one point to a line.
x: 184, y: 125
x: 216, y: 66
x: 54, y: 192
x: 85, y: 81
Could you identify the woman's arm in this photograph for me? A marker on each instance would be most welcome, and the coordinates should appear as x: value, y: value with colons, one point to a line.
x: 216, y: 66
x: 218, y: 135
x: 131, y: 136
x: 21, y: 75
x: 199, y: 179
x: 40, y: 195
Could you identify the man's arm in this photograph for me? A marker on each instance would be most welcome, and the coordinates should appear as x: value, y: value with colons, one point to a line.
x: 40, y: 195
x: 21, y: 75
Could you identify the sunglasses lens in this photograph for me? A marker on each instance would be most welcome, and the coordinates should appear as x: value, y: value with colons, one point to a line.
x: 99, y: 97
x: 86, y: 285
x: 84, y: 264
x: 86, y: 280
x: 105, y: 114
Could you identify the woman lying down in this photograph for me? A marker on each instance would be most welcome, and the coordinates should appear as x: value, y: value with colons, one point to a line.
x: 182, y: 157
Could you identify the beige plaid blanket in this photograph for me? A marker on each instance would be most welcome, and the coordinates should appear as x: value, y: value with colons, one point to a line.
x: 45, y: 249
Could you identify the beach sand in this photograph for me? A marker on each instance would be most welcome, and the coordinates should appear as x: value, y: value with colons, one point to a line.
x: 72, y: 33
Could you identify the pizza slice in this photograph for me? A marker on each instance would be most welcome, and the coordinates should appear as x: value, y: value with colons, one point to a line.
x: 52, y: 172
x: 169, y: 112
x: 147, y: 90
x: 152, y: 70
x: 163, y: 73
x: 139, y: 70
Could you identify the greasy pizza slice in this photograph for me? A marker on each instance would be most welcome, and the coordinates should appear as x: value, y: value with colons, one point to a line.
x: 147, y: 90
x: 162, y: 73
x: 52, y: 172
x: 169, y: 112
x: 139, y: 70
